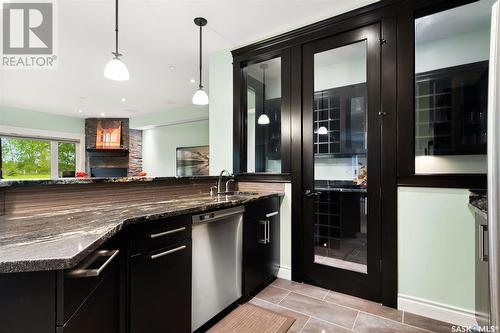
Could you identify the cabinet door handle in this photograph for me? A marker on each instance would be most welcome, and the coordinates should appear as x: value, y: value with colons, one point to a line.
x: 272, y: 214
x: 264, y: 224
x: 482, y: 229
x: 169, y: 232
x: 268, y: 231
x: 85, y: 271
x: 161, y: 254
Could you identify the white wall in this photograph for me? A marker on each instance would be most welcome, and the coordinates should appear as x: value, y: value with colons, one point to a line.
x: 436, y: 253
x: 221, y: 112
x: 160, y: 144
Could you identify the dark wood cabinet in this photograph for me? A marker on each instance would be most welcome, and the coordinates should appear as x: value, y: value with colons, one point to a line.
x: 27, y: 302
x: 451, y: 110
x: 261, y: 247
x: 160, y: 278
x: 342, y: 111
x: 90, y: 297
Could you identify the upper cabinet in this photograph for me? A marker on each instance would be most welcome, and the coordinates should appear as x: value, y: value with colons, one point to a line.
x: 451, y: 89
x: 263, y: 116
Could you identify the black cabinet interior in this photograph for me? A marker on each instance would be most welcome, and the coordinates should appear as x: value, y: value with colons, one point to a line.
x: 451, y: 110
x: 261, y: 247
x: 267, y: 137
x: 342, y: 111
x: 160, y: 278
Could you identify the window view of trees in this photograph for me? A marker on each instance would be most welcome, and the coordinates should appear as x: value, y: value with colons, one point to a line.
x: 67, y: 159
x: 24, y: 158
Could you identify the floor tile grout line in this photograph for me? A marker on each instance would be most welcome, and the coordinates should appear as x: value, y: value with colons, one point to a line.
x: 355, y: 319
x: 333, y: 324
x: 324, y: 297
x: 289, y: 292
x: 304, y: 314
x: 305, y: 324
x: 303, y: 294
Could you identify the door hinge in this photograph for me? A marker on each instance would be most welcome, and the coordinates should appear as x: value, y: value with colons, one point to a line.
x: 382, y: 41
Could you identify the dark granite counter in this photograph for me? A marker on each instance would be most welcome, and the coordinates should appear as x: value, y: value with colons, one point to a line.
x: 5, y: 183
x: 478, y: 200
x: 62, y: 238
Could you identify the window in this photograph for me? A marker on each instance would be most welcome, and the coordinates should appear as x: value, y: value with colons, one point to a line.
x: 263, y: 116
x: 29, y: 158
x: 451, y: 89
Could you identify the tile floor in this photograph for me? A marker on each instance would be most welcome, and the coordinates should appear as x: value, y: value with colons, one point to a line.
x: 318, y: 310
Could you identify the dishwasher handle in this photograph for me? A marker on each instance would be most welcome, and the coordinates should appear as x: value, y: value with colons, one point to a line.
x: 217, y: 215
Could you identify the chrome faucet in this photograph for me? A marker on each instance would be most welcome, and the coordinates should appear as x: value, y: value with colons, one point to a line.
x: 219, y: 182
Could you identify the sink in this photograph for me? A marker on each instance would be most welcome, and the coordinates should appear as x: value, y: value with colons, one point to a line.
x: 239, y: 193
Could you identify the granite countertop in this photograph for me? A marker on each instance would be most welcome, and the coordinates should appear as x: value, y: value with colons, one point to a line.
x: 91, y: 180
x: 61, y: 239
x: 478, y: 200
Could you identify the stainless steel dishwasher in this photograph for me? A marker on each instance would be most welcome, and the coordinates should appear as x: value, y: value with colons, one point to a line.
x: 217, y: 262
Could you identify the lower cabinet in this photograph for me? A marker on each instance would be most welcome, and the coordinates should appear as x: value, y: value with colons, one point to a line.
x: 160, y: 282
x: 90, y: 297
x: 261, y: 247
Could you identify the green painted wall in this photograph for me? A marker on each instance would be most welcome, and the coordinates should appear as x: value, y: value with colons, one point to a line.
x: 436, y: 246
x: 221, y: 111
x: 185, y: 113
x: 16, y: 117
x: 160, y: 143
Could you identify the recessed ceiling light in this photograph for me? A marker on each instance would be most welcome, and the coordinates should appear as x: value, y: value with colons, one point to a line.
x: 192, y: 81
x: 172, y: 68
x: 102, y: 114
x: 80, y: 111
x: 124, y: 99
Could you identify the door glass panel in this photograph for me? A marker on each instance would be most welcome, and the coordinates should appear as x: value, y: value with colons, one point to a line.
x: 340, y: 157
x: 264, y: 116
x: 451, y: 89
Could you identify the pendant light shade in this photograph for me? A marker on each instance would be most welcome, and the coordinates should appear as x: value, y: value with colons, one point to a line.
x: 263, y: 119
x: 200, y: 97
x: 115, y: 69
x: 322, y: 130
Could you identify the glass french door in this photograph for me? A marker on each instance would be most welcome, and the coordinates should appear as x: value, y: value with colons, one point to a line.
x: 341, y: 162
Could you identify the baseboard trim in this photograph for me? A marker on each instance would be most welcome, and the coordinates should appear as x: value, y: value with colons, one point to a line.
x: 285, y: 273
x: 435, y: 310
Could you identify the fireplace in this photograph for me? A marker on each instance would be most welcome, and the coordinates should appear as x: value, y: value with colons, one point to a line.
x: 108, y: 172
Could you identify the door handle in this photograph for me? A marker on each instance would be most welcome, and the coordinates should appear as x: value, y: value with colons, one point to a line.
x: 268, y: 223
x: 165, y: 233
x: 161, y: 254
x: 264, y: 224
x: 482, y: 229
x: 310, y: 193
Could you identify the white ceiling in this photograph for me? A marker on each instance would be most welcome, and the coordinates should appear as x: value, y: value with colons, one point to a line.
x: 456, y: 21
x: 154, y: 35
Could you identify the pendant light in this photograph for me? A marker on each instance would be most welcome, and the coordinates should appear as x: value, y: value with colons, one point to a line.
x: 263, y: 118
x: 115, y: 69
x: 322, y: 130
x: 200, y: 97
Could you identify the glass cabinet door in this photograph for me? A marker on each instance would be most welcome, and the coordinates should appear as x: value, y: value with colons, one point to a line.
x: 263, y: 118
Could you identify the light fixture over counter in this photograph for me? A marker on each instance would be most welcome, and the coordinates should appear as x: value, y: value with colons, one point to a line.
x: 263, y: 118
x: 115, y: 69
x: 200, y: 97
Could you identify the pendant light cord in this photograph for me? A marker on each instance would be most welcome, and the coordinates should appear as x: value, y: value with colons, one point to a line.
x: 116, y: 29
x: 263, y: 91
x: 201, y: 66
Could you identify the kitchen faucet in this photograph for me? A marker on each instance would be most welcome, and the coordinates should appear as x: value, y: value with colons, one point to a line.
x: 219, y: 182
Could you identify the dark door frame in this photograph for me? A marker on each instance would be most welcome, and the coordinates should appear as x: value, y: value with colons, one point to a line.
x: 397, y: 61
x: 367, y: 286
